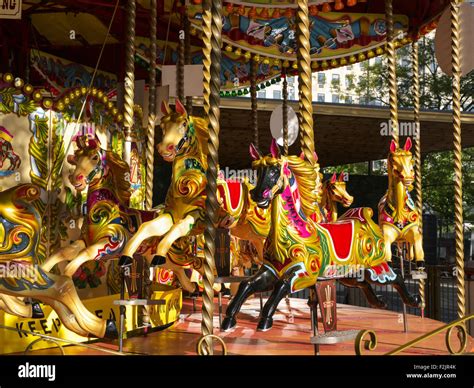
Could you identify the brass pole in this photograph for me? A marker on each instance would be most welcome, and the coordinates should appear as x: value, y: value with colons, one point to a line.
x: 392, y: 71
x: 180, y: 63
x: 150, y: 149
x: 206, y: 54
x: 187, y: 58
x: 212, y: 205
x: 458, y: 207
x: 304, y: 81
x: 253, y: 101
x: 285, y: 114
x: 417, y: 152
x: 129, y: 71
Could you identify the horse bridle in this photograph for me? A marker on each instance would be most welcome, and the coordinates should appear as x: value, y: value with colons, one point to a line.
x: 98, y: 168
x: 185, y: 138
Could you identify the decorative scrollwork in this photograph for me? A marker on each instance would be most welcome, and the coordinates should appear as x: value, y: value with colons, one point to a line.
x: 368, y: 344
x: 201, y: 349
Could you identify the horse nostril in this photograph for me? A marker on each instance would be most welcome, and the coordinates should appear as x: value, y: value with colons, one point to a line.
x: 80, y: 177
x: 170, y: 147
x: 266, y: 193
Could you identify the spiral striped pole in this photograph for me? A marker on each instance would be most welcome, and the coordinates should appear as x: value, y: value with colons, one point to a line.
x: 417, y: 153
x: 150, y: 145
x: 458, y: 206
x: 253, y: 101
x: 180, y: 63
x: 285, y: 114
x: 187, y: 57
x: 206, y: 54
x: 129, y: 71
x: 392, y: 71
x: 305, y: 81
x: 212, y: 205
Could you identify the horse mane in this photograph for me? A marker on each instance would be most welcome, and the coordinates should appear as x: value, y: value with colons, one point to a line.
x: 118, y: 171
x: 306, y: 177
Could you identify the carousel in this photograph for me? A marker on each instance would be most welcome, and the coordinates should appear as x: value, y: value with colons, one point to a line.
x: 95, y: 98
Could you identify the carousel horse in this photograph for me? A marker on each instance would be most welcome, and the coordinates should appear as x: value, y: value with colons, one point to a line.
x: 334, y: 191
x: 185, y: 144
x: 399, y: 219
x: 22, y: 277
x: 299, y: 250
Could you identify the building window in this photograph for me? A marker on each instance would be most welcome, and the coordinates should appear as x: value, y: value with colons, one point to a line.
x: 277, y: 94
x: 262, y: 94
x: 349, y: 99
x: 321, y: 97
x: 321, y: 79
x: 335, y: 98
x: 291, y: 96
x: 335, y: 79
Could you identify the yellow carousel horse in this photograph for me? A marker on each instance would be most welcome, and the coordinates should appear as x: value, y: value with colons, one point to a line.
x: 334, y: 192
x: 298, y: 250
x: 22, y: 277
x: 399, y: 219
x: 185, y: 144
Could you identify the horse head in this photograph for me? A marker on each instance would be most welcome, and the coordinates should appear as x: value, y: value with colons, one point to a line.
x: 175, y: 126
x: 269, y: 175
x: 400, y: 163
x: 87, y: 162
x: 337, y: 192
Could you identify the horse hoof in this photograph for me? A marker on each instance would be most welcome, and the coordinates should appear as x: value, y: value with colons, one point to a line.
x: 416, y: 302
x: 228, y: 324
x: 111, y: 330
x: 158, y: 260
x: 265, y: 324
x: 125, y: 260
x: 36, y: 311
x: 379, y: 304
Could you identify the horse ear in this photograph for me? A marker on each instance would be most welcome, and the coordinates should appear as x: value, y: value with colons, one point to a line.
x: 393, y: 147
x: 333, y: 178
x: 341, y: 177
x: 315, y: 156
x: 180, y: 107
x: 254, y: 152
x: 302, y: 155
x: 408, y: 144
x: 274, y: 149
x: 165, y: 108
x: 72, y: 159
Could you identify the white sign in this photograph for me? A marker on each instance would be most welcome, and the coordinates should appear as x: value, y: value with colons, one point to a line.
x: 276, y: 125
x: 10, y: 9
x: 192, y: 79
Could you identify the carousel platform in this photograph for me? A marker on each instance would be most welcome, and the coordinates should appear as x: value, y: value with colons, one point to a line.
x: 290, y: 334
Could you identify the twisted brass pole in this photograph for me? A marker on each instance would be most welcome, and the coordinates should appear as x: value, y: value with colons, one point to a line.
x: 392, y: 71
x: 212, y: 205
x: 304, y: 81
x: 417, y: 153
x: 187, y: 58
x: 285, y: 114
x: 180, y: 64
x: 150, y: 145
x: 458, y: 207
x: 206, y: 54
x: 129, y: 71
x: 253, y: 101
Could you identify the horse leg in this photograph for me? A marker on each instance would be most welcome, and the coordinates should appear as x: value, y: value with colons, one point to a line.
x: 67, y: 318
x: 178, y: 230
x: 418, y: 248
x: 156, y: 227
x: 372, y: 298
x: 87, y: 254
x: 16, y: 306
x: 281, y: 289
x: 263, y: 280
x: 64, y: 254
x: 390, y: 235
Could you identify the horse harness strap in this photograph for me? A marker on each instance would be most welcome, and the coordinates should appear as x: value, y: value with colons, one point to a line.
x: 97, y: 168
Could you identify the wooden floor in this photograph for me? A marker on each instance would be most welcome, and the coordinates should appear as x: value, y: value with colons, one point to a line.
x: 290, y: 334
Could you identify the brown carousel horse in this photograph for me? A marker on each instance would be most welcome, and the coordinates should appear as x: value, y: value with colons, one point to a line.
x: 399, y: 219
x: 22, y: 277
x: 334, y: 192
x: 298, y: 250
x: 185, y: 144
